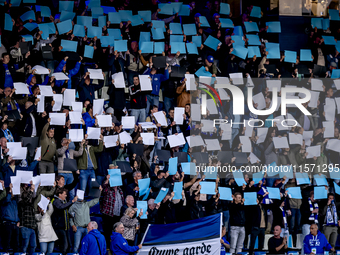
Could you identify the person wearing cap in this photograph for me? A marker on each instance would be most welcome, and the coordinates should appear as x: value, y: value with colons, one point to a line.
x: 48, y: 149
x: 80, y: 218
x: 210, y: 66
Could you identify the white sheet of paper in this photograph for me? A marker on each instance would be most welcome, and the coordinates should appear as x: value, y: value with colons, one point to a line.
x: 47, y: 179
x: 337, y: 84
x: 19, y: 153
x: 145, y: 83
x: 279, y: 123
x: 36, y: 181
x: 223, y: 94
x: 317, y: 84
x: 333, y: 144
x: 190, y: 83
x: 98, y: 106
x: 178, y: 116
x: 58, y: 101
x: 211, y: 106
x: 313, y: 102
x: 329, y: 110
x: 329, y: 129
x: 26, y: 176
x: 93, y: 133
x: 58, y: 119
x: 80, y: 194
x: 41, y: 104
x: 119, y: 80
x: 46, y: 90
x: 40, y: 70
x: 75, y: 117
x: 11, y: 146
x: 37, y: 153
x: 246, y: 143
x: 146, y: 125
x: 280, y: 142
x: 208, y: 126
x: 15, y: 180
x: 307, y: 135
x: 21, y: 88
x: 195, y: 112
x: 76, y: 135
x: 313, y: 151
x: 212, y: 144
x: 221, y: 82
x: 176, y: 140
x: 204, y: 80
x: 128, y: 122
x: 253, y: 158
x: 295, y: 138
x: 290, y: 120
x: 69, y: 97
x: 195, y: 141
x: 104, y: 120
x: 77, y: 106
x: 148, y: 138
x: 261, y: 133
x: 44, y: 202
x: 60, y: 76
x: 274, y: 83
x: 226, y: 134
x: 249, y: 131
x: 160, y: 117
x: 96, y: 74
x: 110, y: 141
x: 260, y: 101
x: 237, y: 78
x: 337, y: 102
x: 1, y: 187
x: 250, y: 82
x: 124, y: 137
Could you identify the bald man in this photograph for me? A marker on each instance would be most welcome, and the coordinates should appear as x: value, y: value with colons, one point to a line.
x: 277, y: 244
x: 94, y: 242
x: 316, y: 242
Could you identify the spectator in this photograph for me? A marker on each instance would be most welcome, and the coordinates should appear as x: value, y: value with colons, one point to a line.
x: 316, y: 242
x: 331, y: 221
x: 93, y: 241
x: 48, y: 149
x: 224, y: 243
x: 237, y: 223
x: 80, y: 217
x: 130, y: 223
x: 119, y: 245
x: 138, y: 100
x: 277, y: 244
x: 46, y: 234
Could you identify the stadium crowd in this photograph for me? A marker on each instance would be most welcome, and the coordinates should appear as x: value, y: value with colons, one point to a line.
x: 37, y: 40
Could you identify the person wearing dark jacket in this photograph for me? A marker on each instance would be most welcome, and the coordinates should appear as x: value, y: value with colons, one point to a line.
x: 27, y: 219
x: 7, y: 72
x: 277, y: 244
x: 132, y: 189
x: 10, y: 221
x: 138, y: 101
x: 309, y: 213
x: 195, y: 205
x: 86, y: 88
x: 119, y: 245
x: 159, y: 183
x: 258, y: 225
x: 94, y: 242
x: 117, y: 99
x: 237, y: 223
x: 60, y: 218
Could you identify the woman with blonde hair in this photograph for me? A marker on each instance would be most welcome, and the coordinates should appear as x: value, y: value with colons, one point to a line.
x: 131, y: 224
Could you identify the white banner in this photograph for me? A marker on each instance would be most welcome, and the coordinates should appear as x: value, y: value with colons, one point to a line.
x: 211, y: 247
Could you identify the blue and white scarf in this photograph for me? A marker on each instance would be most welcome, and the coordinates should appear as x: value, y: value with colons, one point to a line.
x: 313, y: 216
x: 9, y: 106
x: 8, y: 135
x: 331, y: 215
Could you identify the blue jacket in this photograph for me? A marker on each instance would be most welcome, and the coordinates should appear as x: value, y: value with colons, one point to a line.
x: 28, y: 81
x: 88, y: 91
x: 90, y: 246
x: 8, y: 172
x: 156, y: 80
x: 89, y: 122
x: 71, y: 72
x: 9, y: 209
x: 119, y: 246
x: 319, y: 242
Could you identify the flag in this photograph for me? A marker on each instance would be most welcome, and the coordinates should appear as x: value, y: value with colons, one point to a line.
x: 182, y: 238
